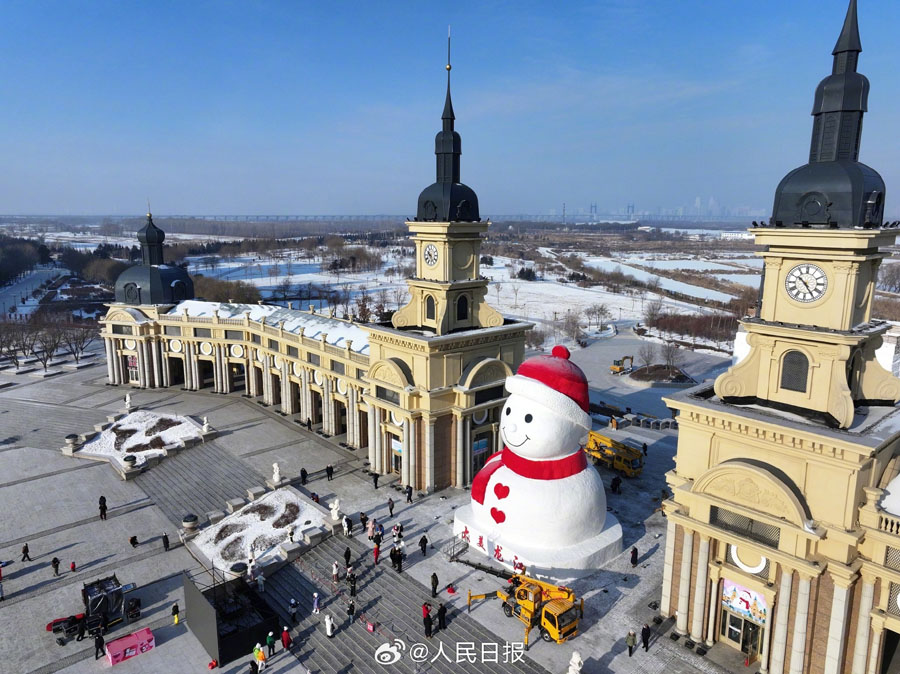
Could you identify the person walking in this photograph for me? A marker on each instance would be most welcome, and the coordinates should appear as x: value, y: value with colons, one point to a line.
x: 645, y: 637
x: 423, y: 543
x: 334, y: 572
x: 351, y: 612
x: 442, y: 617
x: 134, y: 541
x: 81, y: 628
x: 428, y: 624
x: 55, y: 564
x: 375, y: 480
x: 393, y: 556
x: 634, y: 557
x: 261, y: 658
x: 348, y: 526
x: 99, y: 647
x: 391, y: 506
x: 375, y: 552
x: 370, y: 529
x: 352, y: 580
x: 165, y: 541
x: 409, y: 493
x: 329, y: 472
x: 395, y: 532
x: 309, y: 424
x: 434, y: 584
x: 25, y: 555
x: 347, y: 556
x: 363, y: 520
x: 644, y: 448
x: 103, y: 510
x: 286, y: 640
x: 270, y: 642
x: 303, y: 476
x: 72, y: 567
x: 630, y: 641
x: 175, y: 613
x: 329, y: 626
x: 315, y: 603
x: 377, y: 537
x: 292, y: 610
x: 261, y: 582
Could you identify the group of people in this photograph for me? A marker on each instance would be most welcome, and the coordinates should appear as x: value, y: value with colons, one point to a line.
x: 631, y: 639
x: 261, y: 656
x: 428, y: 621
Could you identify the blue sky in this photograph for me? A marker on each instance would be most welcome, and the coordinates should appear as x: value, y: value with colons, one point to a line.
x: 300, y: 107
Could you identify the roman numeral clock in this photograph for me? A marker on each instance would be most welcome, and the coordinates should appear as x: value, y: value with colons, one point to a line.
x: 806, y: 282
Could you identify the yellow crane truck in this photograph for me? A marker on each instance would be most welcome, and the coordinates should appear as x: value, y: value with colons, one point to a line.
x: 538, y: 604
x: 615, y: 455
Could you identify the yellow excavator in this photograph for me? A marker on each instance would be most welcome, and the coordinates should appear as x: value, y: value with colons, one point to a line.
x: 619, y: 366
x: 615, y: 455
x: 553, y: 609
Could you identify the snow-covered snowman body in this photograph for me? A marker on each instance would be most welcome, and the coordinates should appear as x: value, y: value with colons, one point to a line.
x: 539, y: 502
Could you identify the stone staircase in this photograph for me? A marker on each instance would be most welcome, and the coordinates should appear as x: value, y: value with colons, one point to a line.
x: 392, y: 601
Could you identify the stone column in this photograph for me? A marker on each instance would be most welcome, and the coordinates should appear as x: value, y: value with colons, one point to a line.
x: 157, y: 373
x: 110, y: 364
x: 141, y: 364
x: 287, y: 399
x: 195, y: 368
x: 700, y: 589
x: 779, y: 631
x: 372, y: 427
x: 305, y: 394
x: 227, y: 378
x: 327, y: 406
x: 250, y: 375
x: 764, y: 656
x: 379, y: 449
x: 404, y: 457
x: 413, y: 449
x: 217, y: 369
x: 861, y: 645
x: 801, y: 615
x: 837, y: 625
x: 429, y: 454
x: 713, y: 606
x: 352, y: 417
x: 684, y: 583
x: 467, y: 451
x: 875, y: 650
x: 164, y: 364
x: 665, y: 602
x: 460, y: 452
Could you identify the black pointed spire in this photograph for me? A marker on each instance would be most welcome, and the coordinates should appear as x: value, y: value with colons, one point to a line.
x: 151, y: 238
x: 448, y: 200
x: 849, y: 37
x: 835, y: 189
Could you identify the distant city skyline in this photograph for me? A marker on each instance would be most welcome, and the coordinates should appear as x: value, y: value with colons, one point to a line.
x: 283, y: 108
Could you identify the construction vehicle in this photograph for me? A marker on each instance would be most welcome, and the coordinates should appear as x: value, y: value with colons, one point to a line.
x: 619, y: 367
x: 551, y: 608
x: 615, y: 455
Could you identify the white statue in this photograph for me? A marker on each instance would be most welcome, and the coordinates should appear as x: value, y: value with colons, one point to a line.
x: 276, y: 473
x: 127, y: 402
x: 575, y: 664
x: 335, y: 509
x: 206, y: 424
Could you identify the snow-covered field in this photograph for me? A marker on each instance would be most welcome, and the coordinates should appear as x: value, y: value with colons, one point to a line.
x: 257, y: 529
x: 142, y: 434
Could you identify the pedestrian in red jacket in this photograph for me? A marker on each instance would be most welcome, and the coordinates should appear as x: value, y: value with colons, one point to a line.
x: 375, y: 552
x: 286, y: 639
x: 72, y: 567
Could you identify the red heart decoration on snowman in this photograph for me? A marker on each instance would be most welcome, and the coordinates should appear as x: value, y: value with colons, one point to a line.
x: 501, y: 491
x: 498, y: 515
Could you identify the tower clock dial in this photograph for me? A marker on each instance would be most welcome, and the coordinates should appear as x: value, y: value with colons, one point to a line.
x: 431, y: 255
x: 806, y: 282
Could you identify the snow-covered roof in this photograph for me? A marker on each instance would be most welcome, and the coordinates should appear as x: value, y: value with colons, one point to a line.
x: 314, y: 325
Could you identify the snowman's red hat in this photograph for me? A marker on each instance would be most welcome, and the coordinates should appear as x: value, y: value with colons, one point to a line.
x: 557, y: 383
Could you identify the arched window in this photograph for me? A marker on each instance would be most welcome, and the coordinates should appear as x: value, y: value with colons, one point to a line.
x: 429, y: 308
x: 462, y: 308
x: 794, y: 371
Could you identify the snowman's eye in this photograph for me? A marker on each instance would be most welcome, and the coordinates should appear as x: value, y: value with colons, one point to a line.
x: 528, y: 418
x: 508, y: 410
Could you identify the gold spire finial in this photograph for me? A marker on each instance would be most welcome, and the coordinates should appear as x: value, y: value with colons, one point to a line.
x: 448, y: 49
x: 148, y: 207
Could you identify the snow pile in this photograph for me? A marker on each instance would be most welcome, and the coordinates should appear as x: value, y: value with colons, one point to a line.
x: 337, y: 332
x: 890, y: 502
x: 143, y: 434
x: 257, y: 529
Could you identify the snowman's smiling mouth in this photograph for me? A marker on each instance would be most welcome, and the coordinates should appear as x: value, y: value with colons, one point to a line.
x: 520, y: 444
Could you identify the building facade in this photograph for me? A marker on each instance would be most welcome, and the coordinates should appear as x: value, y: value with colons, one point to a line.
x: 783, y: 540
x: 421, y: 393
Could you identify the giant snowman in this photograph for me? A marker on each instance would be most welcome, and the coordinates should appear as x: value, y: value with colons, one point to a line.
x: 538, y: 503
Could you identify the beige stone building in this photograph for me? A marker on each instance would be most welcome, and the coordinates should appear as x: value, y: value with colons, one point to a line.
x: 783, y: 536
x: 421, y: 393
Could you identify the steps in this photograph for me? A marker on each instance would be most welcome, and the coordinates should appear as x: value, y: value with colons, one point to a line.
x: 393, y: 601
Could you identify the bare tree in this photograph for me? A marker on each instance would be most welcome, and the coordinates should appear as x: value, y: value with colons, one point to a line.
x: 283, y: 289
x: 570, y: 325
x: 7, y: 331
x: 24, y: 338
x: 515, y: 290
x: 602, y: 312
x: 49, y: 337
x: 647, y: 354
x: 652, y: 312
x: 672, y: 356
x: 77, y: 338
x: 363, y: 311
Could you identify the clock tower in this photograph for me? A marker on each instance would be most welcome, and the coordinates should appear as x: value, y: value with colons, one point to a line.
x: 813, y: 342
x: 447, y: 293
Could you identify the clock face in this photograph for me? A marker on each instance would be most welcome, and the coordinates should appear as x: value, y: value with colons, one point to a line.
x: 806, y: 283
x: 431, y: 255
